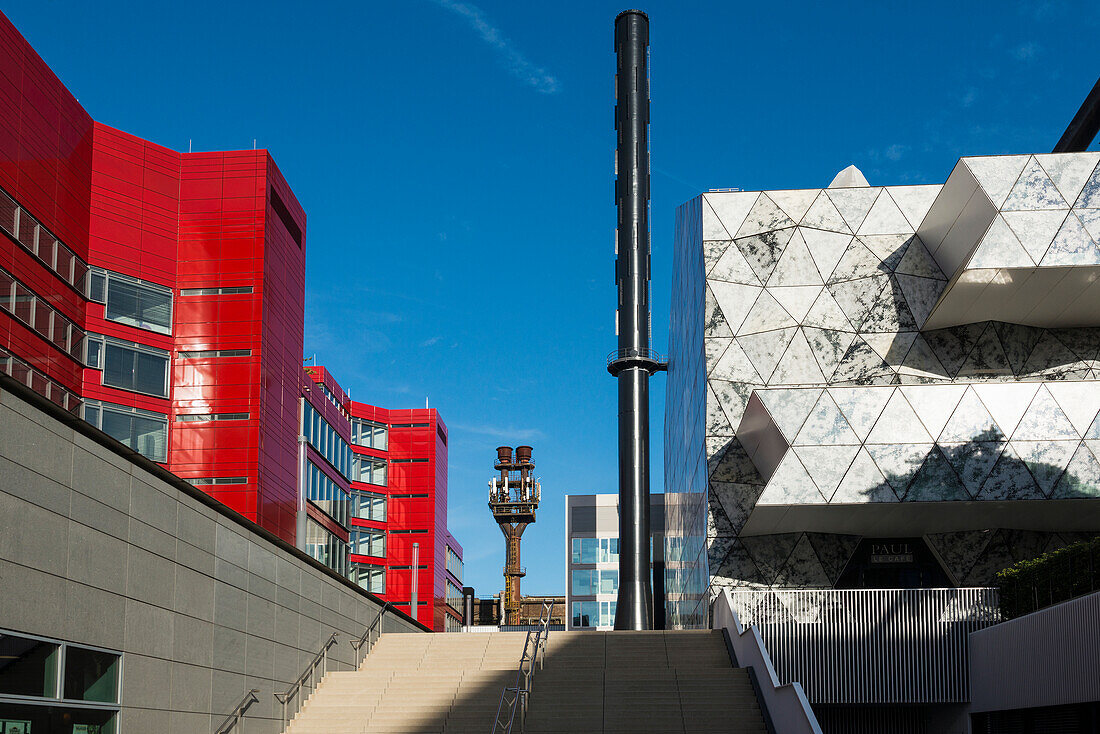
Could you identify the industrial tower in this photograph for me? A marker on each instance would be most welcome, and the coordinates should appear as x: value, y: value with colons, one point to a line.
x: 513, y: 498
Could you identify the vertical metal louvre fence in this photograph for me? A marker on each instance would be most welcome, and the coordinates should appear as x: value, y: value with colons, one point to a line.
x: 869, y: 646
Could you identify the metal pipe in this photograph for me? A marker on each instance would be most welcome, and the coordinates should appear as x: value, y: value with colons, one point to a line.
x: 416, y: 580
x: 634, y: 610
x: 1084, y: 125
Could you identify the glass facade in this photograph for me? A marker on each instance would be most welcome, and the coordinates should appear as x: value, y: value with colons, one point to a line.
x: 368, y: 542
x: 369, y: 505
x: 368, y: 469
x: 371, y: 578
x: 326, y: 547
x: 144, y: 431
x: 37, y: 314
x: 454, y: 564
x: 327, y: 441
x: 128, y: 365
x: 327, y: 494
x: 40, y: 242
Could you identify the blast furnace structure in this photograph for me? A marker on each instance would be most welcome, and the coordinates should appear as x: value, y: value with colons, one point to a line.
x: 513, y: 498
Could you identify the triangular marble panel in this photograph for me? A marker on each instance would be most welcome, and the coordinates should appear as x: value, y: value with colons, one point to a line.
x: 1069, y: 171
x: 770, y: 552
x: 762, y: 251
x: 823, y: 214
x: 764, y: 216
x: 918, y: 261
x: 999, y: 248
x: 1034, y: 190
x: 987, y: 359
x: 735, y: 300
x: 1046, y: 459
x: 1085, y: 343
x: 730, y: 209
x: 797, y: 366
x: 889, y: 248
x: 834, y: 551
x: 714, y: 321
x: 853, y: 204
x: 765, y: 349
x: 892, y: 346
x: 1036, y: 229
x: 733, y: 267
x: 789, y: 408
x: 1090, y: 219
x: 885, y: 218
x: 826, y: 248
x: 857, y: 262
x: 861, y: 366
x: 920, y: 295
x: 920, y: 364
x: 794, y: 203
x: 736, y: 499
x: 825, y: 426
x: 1010, y: 480
x: 795, y: 266
x: 862, y: 483
x: 898, y: 424
x: 970, y: 421
x: 735, y: 366
x: 1044, y: 421
x: 1090, y: 194
x: 996, y: 174
x: 1026, y: 544
x: 1017, y: 341
x: 765, y: 315
x: 826, y: 314
x: 790, y: 485
x: 899, y: 462
x: 914, y: 201
x: 796, y: 300
x: 960, y: 550
x: 950, y: 345
x: 994, y: 558
x: 890, y: 312
x: 803, y: 571
x: 1080, y: 401
x: 1049, y: 355
x: 934, y: 404
x: 829, y: 347
x: 861, y: 406
x: 972, y: 461
x: 1006, y: 402
x: 732, y: 398
x: 1072, y: 246
x: 1081, y: 478
x: 713, y: 349
x: 856, y: 297
x: 826, y: 465
x: 713, y: 251
x: 936, y: 481
x: 717, y: 422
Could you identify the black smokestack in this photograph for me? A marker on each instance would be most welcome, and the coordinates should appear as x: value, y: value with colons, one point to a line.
x: 634, y: 360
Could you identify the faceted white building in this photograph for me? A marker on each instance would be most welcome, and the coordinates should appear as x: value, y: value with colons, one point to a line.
x: 883, y: 387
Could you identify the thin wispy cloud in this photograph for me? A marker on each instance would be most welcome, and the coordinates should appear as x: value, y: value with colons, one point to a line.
x: 512, y: 58
x: 430, y: 341
x: 1026, y: 51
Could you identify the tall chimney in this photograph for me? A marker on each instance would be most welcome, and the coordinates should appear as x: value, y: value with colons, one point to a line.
x: 634, y: 361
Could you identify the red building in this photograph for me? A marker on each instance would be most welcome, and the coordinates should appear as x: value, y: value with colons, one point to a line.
x: 160, y: 295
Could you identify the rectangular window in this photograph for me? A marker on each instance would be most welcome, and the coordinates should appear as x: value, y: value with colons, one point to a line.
x: 38, y: 314
x: 37, y: 240
x: 585, y: 550
x: 33, y: 666
x: 30, y: 666
x: 326, y: 547
x: 609, y: 550
x: 409, y: 461
x: 368, y: 433
x: 584, y: 582
x: 326, y: 440
x: 142, y: 430
x: 202, y: 481
x: 130, y: 366
x: 411, y: 425
x: 137, y: 303
x: 370, y: 506
x: 586, y: 613
x: 283, y: 213
x: 607, y: 613
x: 368, y: 542
x: 91, y: 675
x: 215, y: 353
x: 368, y: 469
x: 371, y: 578
x: 207, y: 417
x: 408, y: 496
x: 609, y: 581
x: 454, y: 564
x: 327, y: 494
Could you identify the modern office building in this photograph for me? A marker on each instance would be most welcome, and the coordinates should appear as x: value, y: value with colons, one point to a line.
x: 160, y: 296
x: 879, y: 397
x: 592, y: 559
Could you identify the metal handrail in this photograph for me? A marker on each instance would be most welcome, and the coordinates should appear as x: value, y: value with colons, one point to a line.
x: 234, y: 719
x: 366, y: 638
x: 514, y: 698
x: 307, y: 678
x: 643, y: 353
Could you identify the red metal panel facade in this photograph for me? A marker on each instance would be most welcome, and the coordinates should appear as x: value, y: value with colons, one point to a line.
x: 221, y: 238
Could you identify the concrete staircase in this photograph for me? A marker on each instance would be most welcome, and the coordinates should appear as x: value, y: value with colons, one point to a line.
x: 590, y: 682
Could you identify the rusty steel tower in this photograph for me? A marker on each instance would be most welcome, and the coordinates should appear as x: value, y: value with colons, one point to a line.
x: 513, y: 498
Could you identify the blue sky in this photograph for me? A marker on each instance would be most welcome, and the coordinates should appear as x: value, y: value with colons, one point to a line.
x: 455, y: 162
